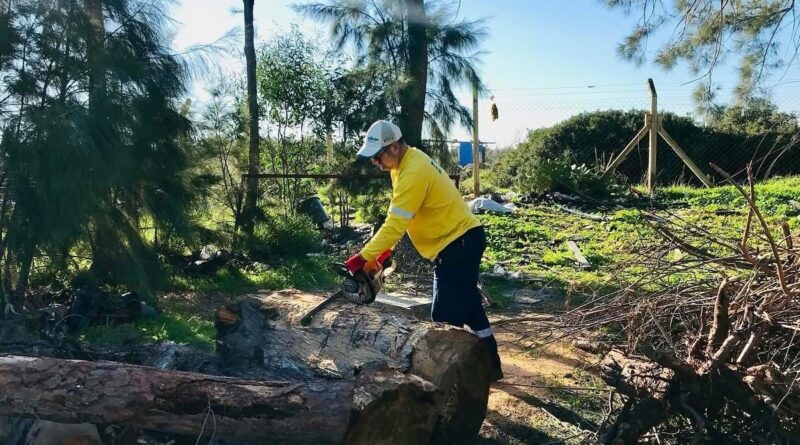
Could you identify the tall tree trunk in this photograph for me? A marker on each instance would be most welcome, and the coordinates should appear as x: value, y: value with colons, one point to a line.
x: 249, y: 211
x: 95, y: 34
x: 94, y: 46
x: 25, y: 263
x: 412, y: 97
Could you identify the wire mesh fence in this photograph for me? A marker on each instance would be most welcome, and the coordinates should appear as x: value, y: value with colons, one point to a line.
x: 595, y: 123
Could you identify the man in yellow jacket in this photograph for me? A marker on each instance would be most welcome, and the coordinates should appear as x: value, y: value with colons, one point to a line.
x: 426, y: 204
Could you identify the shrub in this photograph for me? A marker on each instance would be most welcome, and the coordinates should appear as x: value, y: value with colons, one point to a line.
x: 594, y: 138
x: 371, y: 209
x: 283, y: 235
x: 561, y: 175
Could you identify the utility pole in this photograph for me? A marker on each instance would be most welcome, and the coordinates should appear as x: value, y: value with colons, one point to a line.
x: 475, y: 141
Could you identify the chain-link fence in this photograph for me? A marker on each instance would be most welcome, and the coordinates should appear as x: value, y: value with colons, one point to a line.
x: 595, y: 123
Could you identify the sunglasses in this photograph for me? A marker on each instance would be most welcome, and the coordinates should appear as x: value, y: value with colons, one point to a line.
x: 380, y: 152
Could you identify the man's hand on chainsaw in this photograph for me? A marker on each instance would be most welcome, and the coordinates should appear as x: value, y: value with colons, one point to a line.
x: 357, y: 262
x: 364, y: 279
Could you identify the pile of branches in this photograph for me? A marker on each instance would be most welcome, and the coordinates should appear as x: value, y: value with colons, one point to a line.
x: 705, y: 358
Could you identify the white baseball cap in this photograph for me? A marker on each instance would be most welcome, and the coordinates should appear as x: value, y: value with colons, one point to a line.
x: 379, y: 135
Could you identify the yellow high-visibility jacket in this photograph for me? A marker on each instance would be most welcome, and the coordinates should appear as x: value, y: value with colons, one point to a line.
x: 426, y: 203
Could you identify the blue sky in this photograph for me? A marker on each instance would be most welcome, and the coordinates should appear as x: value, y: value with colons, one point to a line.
x: 544, y: 60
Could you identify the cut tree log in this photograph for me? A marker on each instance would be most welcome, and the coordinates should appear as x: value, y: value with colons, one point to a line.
x: 265, y: 331
x: 355, y: 375
x: 76, y: 391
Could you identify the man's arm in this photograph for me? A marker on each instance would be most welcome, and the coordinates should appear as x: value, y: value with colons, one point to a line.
x: 407, y: 197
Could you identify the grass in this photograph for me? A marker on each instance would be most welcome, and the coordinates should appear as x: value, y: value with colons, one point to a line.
x: 300, y: 273
x: 178, y: 324
x: 171, y: 324
x: 533, y: 240
x: 772, y: 197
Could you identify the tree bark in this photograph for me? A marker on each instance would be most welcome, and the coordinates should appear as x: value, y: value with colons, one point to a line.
x: 355, y: 375
x: 412, y: 97
x: 316, y: 411
x: 251, y: 194
x: 265, y: 332
x: 93, y: 9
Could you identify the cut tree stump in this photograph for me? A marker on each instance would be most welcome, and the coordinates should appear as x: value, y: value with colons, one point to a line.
x: 264, y: 330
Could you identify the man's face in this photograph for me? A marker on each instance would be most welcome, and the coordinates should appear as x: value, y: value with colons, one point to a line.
x: 388, y: 158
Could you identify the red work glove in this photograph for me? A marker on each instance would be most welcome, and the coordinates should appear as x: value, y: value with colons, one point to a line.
x: 378, y: 263
x: 384, y: 257
x: 355, y: 263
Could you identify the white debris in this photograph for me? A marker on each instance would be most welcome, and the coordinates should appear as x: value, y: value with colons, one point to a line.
x: 479, y: 205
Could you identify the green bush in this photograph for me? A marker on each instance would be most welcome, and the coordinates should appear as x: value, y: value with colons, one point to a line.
x: 595, y: 138
x: 562, y: 175
x: 371, y: 209
x: 282, y: 236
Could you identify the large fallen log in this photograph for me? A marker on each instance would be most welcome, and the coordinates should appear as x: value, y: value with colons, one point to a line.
x: 265, y: 330
x: 355, y: 375
x: 76, y: 391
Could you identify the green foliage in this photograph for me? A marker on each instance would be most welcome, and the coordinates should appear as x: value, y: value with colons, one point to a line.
x: 755, y: 117
x: 171, y: 325
x: 387, y: 34
x: 711, y: 32
x: 772, y: 197
x: 221, y: 150
x: 309, y: 273
x: 293, y: 79
x: 283, y: 236
x: 372, y: 208
x: 544, y: 161
x: 295, y: 82
x: 561, y: 175
x: 96, y: 143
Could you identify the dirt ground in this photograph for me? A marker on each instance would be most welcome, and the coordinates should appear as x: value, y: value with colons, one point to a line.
x: 548, y: 395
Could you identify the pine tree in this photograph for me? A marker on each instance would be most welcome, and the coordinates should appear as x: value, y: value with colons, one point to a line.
x: 91, y: 143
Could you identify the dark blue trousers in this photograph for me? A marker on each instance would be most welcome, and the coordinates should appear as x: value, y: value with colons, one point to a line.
x: 456, y: 299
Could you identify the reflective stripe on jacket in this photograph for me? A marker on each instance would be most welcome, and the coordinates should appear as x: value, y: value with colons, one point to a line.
x: 426, y: 203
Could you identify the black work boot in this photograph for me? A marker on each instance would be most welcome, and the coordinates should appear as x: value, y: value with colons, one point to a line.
x: 494, y: 357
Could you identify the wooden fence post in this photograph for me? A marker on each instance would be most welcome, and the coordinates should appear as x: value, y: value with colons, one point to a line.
x: 654, y: 125
x: 475, y: 141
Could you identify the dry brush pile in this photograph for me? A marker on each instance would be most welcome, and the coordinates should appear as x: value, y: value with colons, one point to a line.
x: 705, y: 357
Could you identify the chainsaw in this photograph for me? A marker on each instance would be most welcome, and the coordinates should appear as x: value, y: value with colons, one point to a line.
x: 361, y: 287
